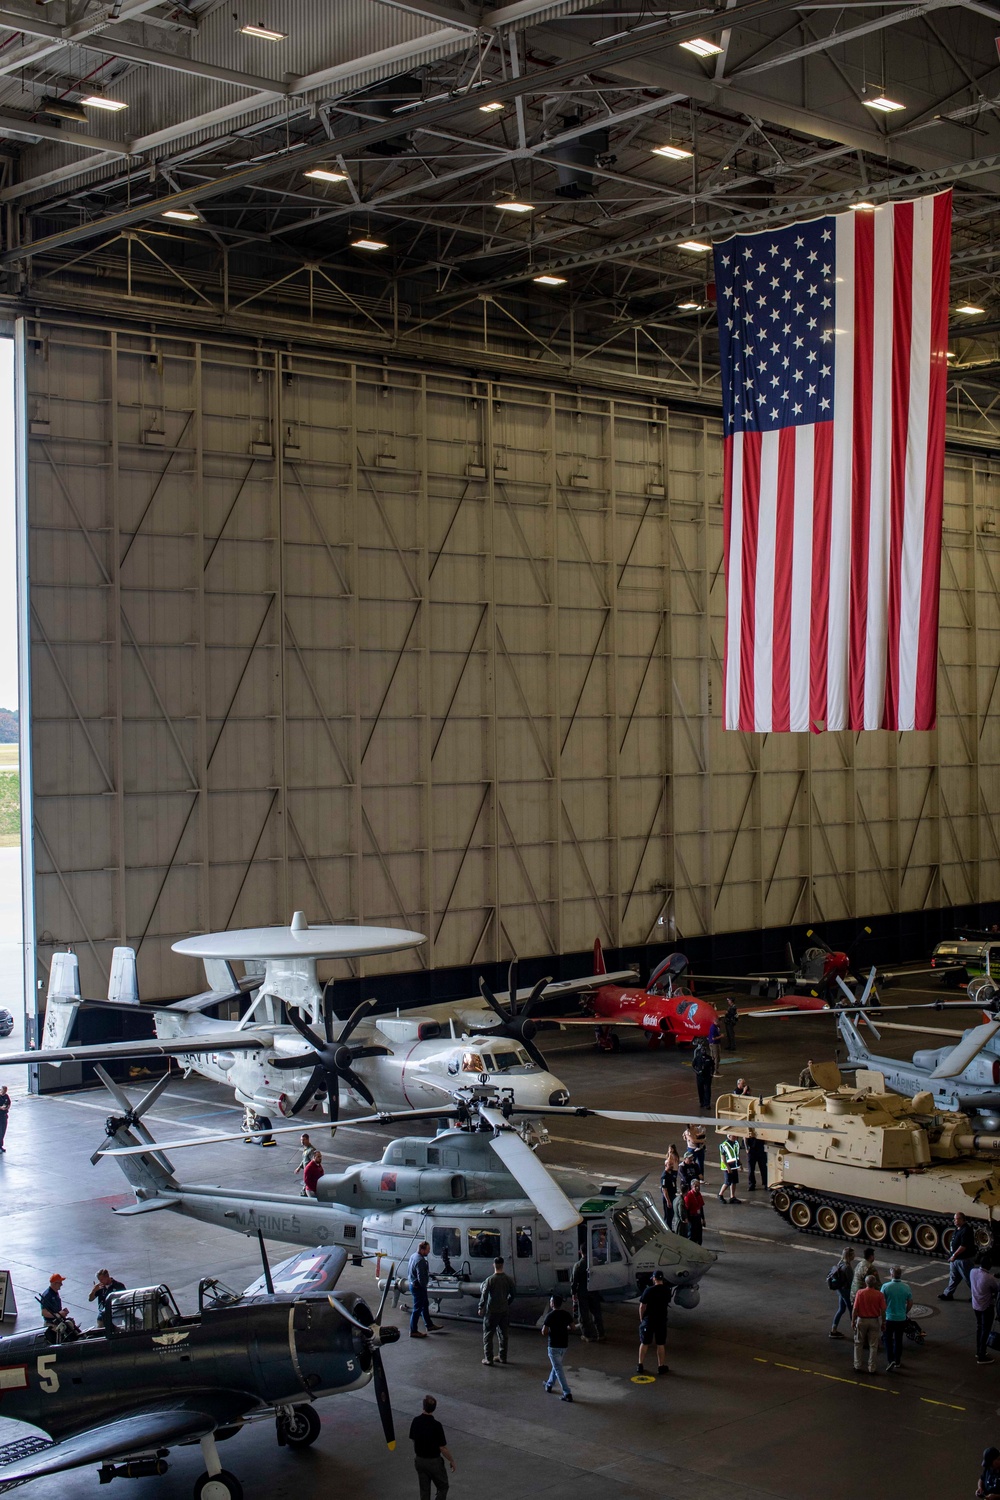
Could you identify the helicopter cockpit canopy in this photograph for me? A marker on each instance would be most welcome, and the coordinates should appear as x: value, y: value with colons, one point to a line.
x: 141, y: 1309
x: 638, y: 1222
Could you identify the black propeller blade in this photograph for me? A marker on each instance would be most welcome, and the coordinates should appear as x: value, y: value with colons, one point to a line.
x: 382, y: 1395
x: 332, y: 1057
x: 515, y: 1024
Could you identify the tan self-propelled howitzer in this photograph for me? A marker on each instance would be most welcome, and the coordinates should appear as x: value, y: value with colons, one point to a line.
x: 881, y: 1168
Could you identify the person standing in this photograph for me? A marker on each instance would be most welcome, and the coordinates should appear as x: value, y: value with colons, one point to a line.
x: 578, y: 1285
x: 704, y: 1072
x: 868, y: 1321
x: 714, y: 1040
x: 308, y: 1153
x: 694, y: 1212
x: 556, y: 1327
x: 694, y: 1141
x: 419, y: 1273
x: 729, y: 1165
x: 687, y: 1172
x: 495, y: 1296
x: 729, y: 1021
x: 962, y: 1257
x: 668, y: 1183
x: 985, y: 1287
x: 430, y: 1451
x: 989, y: 1477
x: 5, y: 1102
x: 311, y: 1174
x: 898, y: 1301
x: 654, y: 1309
x: 839, y: 1279
x: 102, y: 1290
x: 756, y: 1162
x: 864, y: 1268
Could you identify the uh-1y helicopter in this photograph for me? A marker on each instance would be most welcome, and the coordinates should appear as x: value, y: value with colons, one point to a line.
x: 474, y: 1190
x: 388, y: 1062
x: 150, y: 1378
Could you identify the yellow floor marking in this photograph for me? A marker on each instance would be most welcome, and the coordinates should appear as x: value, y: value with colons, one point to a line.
x: 948, y: 1404
x: 779, y: 1366
x: 643, y: 1379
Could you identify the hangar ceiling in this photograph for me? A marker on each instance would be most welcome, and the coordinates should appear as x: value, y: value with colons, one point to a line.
x: 195, y: 195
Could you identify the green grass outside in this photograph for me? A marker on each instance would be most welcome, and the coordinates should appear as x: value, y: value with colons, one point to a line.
x: 10, y: 808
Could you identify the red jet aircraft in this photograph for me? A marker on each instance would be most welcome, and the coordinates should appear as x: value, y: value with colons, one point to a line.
x: 666, y: 1010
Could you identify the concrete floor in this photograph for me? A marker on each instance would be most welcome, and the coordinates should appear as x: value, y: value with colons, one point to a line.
x: 760, y: 1403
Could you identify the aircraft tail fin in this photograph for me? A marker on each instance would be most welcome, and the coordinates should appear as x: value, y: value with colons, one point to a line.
x: 62, y: 1000
x: 220, y: 975
x: 599, y: 965
x: 123, y: 987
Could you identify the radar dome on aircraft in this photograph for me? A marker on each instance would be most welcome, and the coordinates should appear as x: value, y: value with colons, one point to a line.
x: 299, y: 940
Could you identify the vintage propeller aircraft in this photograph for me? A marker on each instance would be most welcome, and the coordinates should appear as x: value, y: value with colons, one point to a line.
x: 389, y: 1062
x: 150, y: 1378
x: 474, y: 1190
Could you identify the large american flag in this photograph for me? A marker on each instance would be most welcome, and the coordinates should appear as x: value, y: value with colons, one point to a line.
x: 834, y: 346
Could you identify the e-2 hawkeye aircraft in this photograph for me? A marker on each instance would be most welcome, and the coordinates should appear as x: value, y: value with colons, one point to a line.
x: 388, y: 1062
x: 151, y: 1378
x: 474, y: 1190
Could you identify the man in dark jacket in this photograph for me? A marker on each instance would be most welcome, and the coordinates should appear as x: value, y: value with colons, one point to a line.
x: 729, y: 1020
x: 495, y: 1297
x: 419, y: 1272
x: 430, y: 1450
x: 704, y: 1072
x: 962, y: 1257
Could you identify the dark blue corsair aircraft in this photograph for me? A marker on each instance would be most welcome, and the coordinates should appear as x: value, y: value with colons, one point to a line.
x: 150, y: 1378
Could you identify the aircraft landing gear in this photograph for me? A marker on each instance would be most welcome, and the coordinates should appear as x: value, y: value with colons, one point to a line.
x: 606, y: 1039
x: 297, y: 1426
x: 217, y: 1483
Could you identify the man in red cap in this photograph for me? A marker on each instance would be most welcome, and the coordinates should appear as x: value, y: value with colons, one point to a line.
x: 51, y: 1300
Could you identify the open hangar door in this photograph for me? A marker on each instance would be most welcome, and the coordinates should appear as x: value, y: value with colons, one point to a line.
x: 405, y: 644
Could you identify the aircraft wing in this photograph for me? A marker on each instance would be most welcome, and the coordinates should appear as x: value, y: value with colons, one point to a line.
x: 172, y: 1420
x: 574, y: 986
x: 222, y: 1041
x: 308, y: 1273
x: 587, y: 1021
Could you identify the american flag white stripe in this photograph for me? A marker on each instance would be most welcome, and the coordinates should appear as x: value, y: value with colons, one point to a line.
x: 833, y: 339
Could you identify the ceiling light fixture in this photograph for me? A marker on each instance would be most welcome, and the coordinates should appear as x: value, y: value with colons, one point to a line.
x: 690, y: 306
x: 326, y: 174
x: 266, y: 33
x: 185, y: 215
x: 101, y: 101
x: 673, y: 153
x: 366, y: 243
x: 883, y: 105
x: 862, y: 205
x: 701, y: 48
x: 546, y: 279
x: 970, y: 310
x: 513, y: 206
x: 492, y: 109
x: 698, y: 246
x: 65, y: 109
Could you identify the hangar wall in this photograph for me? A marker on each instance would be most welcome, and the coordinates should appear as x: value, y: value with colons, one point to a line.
x: 404, y: 645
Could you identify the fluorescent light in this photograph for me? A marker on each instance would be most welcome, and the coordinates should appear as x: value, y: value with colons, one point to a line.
x: 185, y: 215
x: 862, y: 205
x: 364, y: 243
x: 701, y: 48
x: 697, y: 245
x: 950, y: 354
x: 673, y: 153
x: 101, y: 101
x: 547, y: 280
x: 326, y: 174
x: 690, y: 306
x: 513, y: 206
x: 492, y: 109
x: 266, y: 33
x: 970, y: 310
x: 883, y: 105
x: 64, y: 109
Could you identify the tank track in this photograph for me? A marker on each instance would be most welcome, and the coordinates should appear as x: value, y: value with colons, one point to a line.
x: 913, y: 1234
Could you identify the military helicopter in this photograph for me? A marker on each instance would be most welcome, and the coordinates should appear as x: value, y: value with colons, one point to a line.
x: 474, y: 1190
x: 150, y: 1377
x: 384, y: 1062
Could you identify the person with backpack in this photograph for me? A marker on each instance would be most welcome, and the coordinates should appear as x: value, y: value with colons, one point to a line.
x: 838, y: 1279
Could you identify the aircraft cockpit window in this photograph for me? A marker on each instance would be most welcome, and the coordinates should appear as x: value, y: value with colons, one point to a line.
x: 484, y: 1244
x: 144, y: 1308
x: 637, y: 1223
x: 509, y: 1059
x: 446, y: 1242
x: 603, y: 1246
x: 523, y: 1240
x: 472, y: 1062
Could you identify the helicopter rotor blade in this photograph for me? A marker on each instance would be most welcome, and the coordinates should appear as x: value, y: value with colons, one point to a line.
x: 382, y: 1398
x: 524, y: 1166
x: 316, y: 1077
x: 968, y: 1049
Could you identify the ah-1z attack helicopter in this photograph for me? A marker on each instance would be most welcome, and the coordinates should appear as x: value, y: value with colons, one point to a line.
x: 474, y: 1191
x: 150, y: 1378
x: 387, y: 1062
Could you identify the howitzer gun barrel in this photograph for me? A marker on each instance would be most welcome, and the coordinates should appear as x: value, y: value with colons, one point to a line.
x: 983, y: 1145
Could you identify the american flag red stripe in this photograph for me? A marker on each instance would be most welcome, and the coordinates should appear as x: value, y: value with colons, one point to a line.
x: 834, y: 339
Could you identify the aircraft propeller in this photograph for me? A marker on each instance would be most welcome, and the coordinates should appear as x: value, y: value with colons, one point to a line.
x: 332, y: 1058
x: 375, y: 1336
x: 131, y: 1116
x: 516, y: 1023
